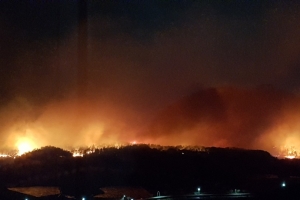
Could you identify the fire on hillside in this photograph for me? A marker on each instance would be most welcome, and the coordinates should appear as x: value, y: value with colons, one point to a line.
x: 289, y: 152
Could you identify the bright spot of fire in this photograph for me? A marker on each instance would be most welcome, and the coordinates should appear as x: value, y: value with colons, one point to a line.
x: 4, y: 156
x: 77, y: 154
x: 290, y: 157
x: 89, y: 152
x: 133, y: 142
x: 24, y: 146
x: 81, y: 152
x: 289, y: 152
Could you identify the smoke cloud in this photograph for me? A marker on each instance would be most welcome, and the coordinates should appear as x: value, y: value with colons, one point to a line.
x: 261, y: 117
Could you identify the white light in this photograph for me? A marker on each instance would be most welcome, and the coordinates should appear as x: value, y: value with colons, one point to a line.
x: 283, y: 184
x: 198, y: 189
x: 83, y: 198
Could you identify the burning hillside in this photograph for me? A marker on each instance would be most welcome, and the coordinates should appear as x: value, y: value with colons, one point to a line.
x: 258, y: 118
x: 285, y: 152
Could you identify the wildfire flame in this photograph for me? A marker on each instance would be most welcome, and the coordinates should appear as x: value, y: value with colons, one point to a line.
x: 24, y: 145
x: 290, y: 157
x: 77, y: 154
x: 289, y: 152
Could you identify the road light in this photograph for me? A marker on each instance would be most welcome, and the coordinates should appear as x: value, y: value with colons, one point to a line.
x: 198, y: 190
x: 283, y: 184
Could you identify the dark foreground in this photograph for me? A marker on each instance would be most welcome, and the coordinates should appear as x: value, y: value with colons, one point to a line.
x: 175, y: 172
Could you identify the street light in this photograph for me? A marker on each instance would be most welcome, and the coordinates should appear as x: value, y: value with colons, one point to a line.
x: 198, y: 190
x: 283, y: 184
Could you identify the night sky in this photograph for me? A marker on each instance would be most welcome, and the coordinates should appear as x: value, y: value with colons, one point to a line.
x: 212, y: 73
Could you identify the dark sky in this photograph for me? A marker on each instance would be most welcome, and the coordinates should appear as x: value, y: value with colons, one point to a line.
x: 221, y: 73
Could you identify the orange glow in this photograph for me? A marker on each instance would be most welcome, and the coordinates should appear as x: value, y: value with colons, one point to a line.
x: 289, y: 152
x: 102, y: 123
x: 25, y: 145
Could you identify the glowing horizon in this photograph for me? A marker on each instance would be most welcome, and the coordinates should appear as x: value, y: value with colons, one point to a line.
x: 85, y: 151
x: 210, y: 117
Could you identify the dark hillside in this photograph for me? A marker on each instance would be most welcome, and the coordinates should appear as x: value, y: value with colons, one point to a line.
x: 173, y: 170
